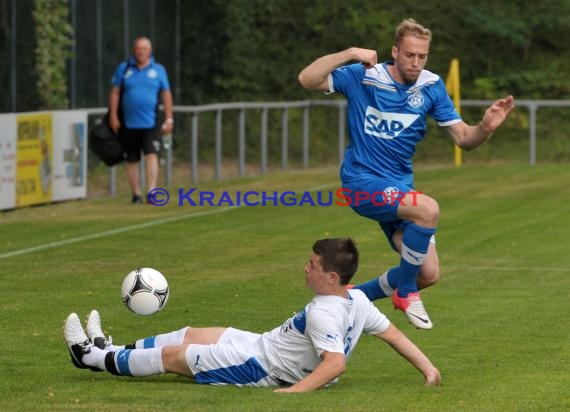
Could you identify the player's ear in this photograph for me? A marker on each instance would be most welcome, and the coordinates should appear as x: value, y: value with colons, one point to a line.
x: 334, y: 278
x: 394, y: 52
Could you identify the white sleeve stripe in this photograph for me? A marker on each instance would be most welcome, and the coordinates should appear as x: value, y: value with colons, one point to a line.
x: 449, y: 122
x: 412, y: 257
x: 331, y: 84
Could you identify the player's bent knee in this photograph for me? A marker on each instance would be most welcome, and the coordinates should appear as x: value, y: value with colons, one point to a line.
x: 431, y: 212
x: 424, y: 212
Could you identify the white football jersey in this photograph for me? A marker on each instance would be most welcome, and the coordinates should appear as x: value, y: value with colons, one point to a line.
x: 327, y: 323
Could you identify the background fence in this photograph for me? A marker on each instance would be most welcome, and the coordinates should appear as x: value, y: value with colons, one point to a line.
x: 221, y: 141
x: 241, y: 139
x: 103, y: 34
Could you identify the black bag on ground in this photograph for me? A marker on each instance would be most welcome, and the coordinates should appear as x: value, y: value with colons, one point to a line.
x: 106, y: 144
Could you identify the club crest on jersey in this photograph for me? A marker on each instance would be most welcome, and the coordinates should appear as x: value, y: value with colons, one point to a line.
x: 416, y: 100
x: 386, y: 125
x: 152, y: 74
x: 391, y: 194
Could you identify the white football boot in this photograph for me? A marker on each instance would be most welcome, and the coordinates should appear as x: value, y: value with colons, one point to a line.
x: 95, y: 332
x: 414, y: 309
x: 77, y: 341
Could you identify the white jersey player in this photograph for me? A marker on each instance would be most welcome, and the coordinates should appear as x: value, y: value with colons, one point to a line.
x: 306, y: 352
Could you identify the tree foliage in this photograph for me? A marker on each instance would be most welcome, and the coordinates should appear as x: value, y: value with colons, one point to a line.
x: 53, y: 34
x: 257, y: 47
x: 233, y: 50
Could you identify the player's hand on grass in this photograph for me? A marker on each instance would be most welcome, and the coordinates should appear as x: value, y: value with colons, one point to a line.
x: 433, y: 378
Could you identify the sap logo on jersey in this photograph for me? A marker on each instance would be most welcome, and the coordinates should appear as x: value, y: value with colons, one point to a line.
x: 386, y: 125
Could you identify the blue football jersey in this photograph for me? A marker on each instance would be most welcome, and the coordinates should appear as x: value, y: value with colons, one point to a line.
x: 141, y: 92
x: 386, y: 119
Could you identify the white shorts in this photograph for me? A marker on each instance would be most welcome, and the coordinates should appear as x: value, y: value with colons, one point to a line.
x: 233, y: 360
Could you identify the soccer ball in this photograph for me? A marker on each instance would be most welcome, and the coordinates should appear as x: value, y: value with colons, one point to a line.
x: 145, y: 291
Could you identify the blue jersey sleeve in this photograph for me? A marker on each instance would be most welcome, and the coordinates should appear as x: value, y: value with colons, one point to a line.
x: 164, y: 83
x: 117, y: 77
x: 347, y: 79
x: 443, y: 111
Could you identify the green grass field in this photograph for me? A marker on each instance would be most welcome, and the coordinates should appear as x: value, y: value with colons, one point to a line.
x: 501, y: 337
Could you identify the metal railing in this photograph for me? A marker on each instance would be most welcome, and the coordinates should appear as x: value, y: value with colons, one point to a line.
x: 532, y: 106
x: 242, y: 109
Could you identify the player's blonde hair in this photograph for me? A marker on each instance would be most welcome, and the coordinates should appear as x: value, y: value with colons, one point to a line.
x: 409, y: 27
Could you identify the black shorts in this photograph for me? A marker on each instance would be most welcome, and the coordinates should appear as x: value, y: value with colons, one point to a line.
x: 135, y: 140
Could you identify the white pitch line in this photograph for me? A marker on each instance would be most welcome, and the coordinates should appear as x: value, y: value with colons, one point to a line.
x: 112, y: 232
x: 124, y: 229
x: 221, y: 210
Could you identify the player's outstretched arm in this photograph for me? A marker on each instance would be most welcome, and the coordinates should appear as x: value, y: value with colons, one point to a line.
x: 405, y: 347
x: 469, y: 137
x: 332, y: 366
x: 315, y: 75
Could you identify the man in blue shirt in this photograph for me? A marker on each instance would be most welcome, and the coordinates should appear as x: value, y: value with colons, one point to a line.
x: 388, y: 104
x: 138, y: 85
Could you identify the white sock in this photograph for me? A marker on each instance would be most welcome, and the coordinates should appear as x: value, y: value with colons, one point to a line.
x: 114, y: 348
x: 158, y: 341
x: 95, y: 358
x: 130, y: 362
x: 384, y: 285
x: 139, y: 362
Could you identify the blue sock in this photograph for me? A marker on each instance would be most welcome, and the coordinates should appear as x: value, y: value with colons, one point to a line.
x: 381, y: 287
x: 372, y: 289
x: 394, y: 277
x: 415, y: 243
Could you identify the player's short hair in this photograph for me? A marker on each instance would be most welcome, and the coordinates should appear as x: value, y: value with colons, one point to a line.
x: 338, y: 255
x: 409, y: 27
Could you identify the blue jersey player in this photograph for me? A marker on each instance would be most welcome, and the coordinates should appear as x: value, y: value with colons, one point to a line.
x: 388, y: 104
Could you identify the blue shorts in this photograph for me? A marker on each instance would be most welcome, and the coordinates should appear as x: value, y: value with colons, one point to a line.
x: 378, y: 199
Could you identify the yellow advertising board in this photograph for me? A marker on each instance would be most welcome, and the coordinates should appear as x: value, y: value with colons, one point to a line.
x: 34, y: 157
